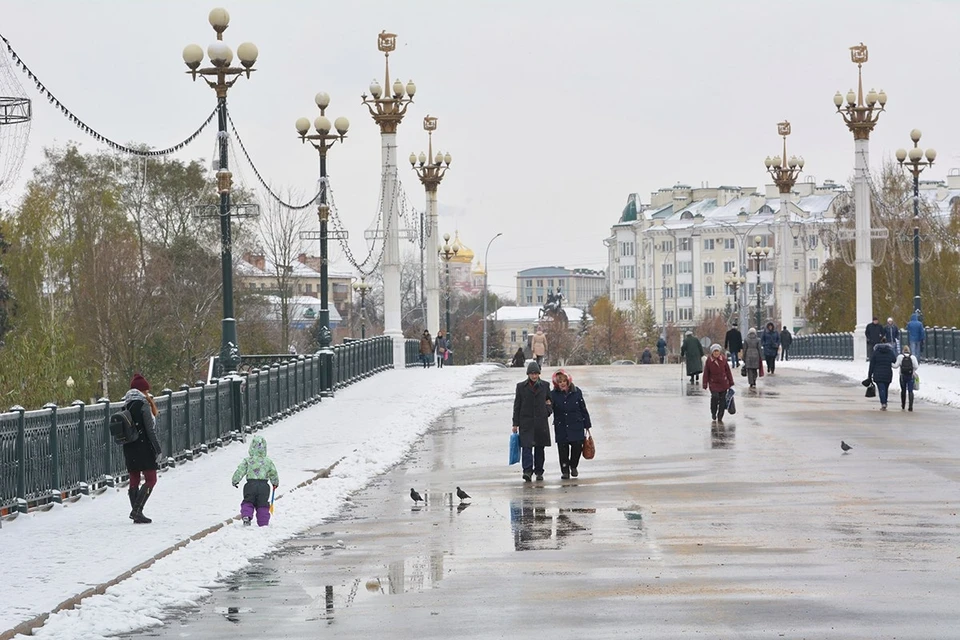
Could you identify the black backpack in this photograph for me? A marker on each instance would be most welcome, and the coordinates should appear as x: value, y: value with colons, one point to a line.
x: 122, y: 428
x: 906, y: 367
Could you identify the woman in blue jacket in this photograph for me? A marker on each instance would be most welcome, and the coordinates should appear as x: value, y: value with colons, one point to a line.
x: 570, y: 422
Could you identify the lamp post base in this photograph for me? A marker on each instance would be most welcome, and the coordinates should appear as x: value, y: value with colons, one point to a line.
x: 860, y: 343
x: 326, y: 373
x: 399, y: 350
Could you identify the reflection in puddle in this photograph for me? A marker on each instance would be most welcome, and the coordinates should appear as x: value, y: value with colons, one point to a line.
x: 233, y: 613
x: 415, y: 574
x: 722, y: 436
x: 537, y: 527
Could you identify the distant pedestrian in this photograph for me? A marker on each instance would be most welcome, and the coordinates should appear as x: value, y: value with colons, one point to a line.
x: 873, y: 332
x: 646, y: 357
x: 733, y: 342
x: 916, y: 335
x: 770, y: 341
x: 143, y: 455
x: 662, y: 349
x: 260, y: 473
x: 717, y: 378
x: 892, y: 332
x: 571, y: 422
x: 440, y: 347
x: 426, y: 348
x: 519, y: 359
x: 786, y: 339
x: 531, y: 413
x: 907, y: 364
x: 538, y: 346
x: 881, y: 369
x: 752, y: 356
x: 692, y: 350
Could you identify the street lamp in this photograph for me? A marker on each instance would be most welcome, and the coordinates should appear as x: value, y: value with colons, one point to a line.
x: 784, y: 173
x: 322, y: 141
x: 758, y: 254
x: 431, y: 169
x: 220, y: 77
x: 486, y: 270
x: 362, y: 288
x: 741, y: 229
x: 861, y: 115
x: 734, y: 282
x: 916, y: 165
x: 448, y: 253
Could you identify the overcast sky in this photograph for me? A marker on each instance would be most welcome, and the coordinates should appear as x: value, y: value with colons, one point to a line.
x: 554, y: 111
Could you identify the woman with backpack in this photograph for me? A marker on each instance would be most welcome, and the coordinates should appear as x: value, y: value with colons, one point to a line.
x: 908, y: 365
x: 143, y: 454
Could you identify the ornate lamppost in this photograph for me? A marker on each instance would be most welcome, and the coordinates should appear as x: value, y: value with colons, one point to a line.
x: 448, y: 253
x: 860, y: 114
x: 758, y: 254
x: 387, y: 111
x: 322, y: 141
x: 784, y: 173
x: 431, y: 169
x: 734, y: 282
x: 915, y: 165
x: 362, y: 288
x: 220, y: 77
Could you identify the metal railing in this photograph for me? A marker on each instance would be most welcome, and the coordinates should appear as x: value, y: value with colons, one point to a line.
x: 53, y: 453
x: 941, y: 346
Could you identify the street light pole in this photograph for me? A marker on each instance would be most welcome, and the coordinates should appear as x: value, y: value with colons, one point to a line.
x: 448, y: 253
x: 220, y: 77
x: 362, y: 288
x: 915, y: 165
x: 322, y: 141
x: 757, y: 254
x: 486, y: 270
x: 431, y: 169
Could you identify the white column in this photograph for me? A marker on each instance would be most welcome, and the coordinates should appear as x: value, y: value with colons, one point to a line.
x: 391, y: 249
x: 433, y: 265
x: 785, y: 288
x: 864, y: 259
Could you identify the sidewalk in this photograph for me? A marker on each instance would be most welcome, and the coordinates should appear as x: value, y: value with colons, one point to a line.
x: 50, y: 557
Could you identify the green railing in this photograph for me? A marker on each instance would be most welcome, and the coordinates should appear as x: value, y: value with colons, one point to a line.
x: 831, y: 346
x: 941, y: 346
x: 53, y: 453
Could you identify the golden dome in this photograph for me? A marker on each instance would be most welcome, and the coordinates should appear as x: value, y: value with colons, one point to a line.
x: 465, y: 255
x: 479, y: 270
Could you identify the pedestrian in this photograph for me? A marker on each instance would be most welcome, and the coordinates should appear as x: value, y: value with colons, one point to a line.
x: 571, y: 422
x: 717, y: 378
x: 770, y: 340
x: 260, y: 473
x: 440, y: 347
x: 786, y: 339
x: 908, y: 365
x: 692, y: 350
x: 733, y: 342
x: 752, y: 357
x: 892, y: 331
x: 916, y: 335
x: 873, y: 333
x: 538, y: 346
x: 426, y: 348
x: 881, y: 369
x: 519, y: 358
x: 143, y: 455
x: 647, y: 356
x: 531, y: 413
x: 662, y: 348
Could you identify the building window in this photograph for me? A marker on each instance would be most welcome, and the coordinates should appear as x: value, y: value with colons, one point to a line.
x: 529, y: 283
x: 685, y: 266
x: 812, y: 241
x: 729, y: 266
x: 513, y: 335
x: 796, y: 242
x: 708, y: 268
x: 668, y: 292
x: 709, y: 291
x: 708, y: 244
x: 560, y: 282
x: 685, y: 290
x: 796, y: 311
x: 686, y: 313
x: 796, y: 287
x: 729, y: 244
x: 529, y: 299
x: 683, y: 244
x: 540, y: 283
x: 539, y: 299
x: 796, y: 265
x: 524, y: 335
x: 669, y: 316
x: 550, y: 283
x: 626, y: 249
x: 667, y: 270
x: 814, y: 264
x: 666, y: 246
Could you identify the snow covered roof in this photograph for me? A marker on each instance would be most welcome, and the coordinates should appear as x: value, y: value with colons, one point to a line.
x: 300, y: 270
x: 305, y: 306
x: 531, y: 314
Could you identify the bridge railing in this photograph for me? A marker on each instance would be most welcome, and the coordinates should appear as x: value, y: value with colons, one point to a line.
x: 941, y: 346
x: 53, y: 453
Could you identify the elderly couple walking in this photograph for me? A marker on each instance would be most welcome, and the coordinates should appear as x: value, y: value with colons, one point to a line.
x: 533, y: 405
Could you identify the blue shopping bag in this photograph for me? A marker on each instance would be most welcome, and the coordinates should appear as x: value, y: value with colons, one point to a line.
x: 731, y: 404
x: 514, y: 448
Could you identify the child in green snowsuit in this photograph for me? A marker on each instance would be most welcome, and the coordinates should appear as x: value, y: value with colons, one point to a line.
x: 258, y: 469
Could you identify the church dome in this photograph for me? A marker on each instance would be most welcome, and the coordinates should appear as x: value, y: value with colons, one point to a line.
x: 465, y: 255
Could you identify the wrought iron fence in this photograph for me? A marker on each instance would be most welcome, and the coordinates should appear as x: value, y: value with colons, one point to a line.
x: 53, y: 453
x: 941, y: 346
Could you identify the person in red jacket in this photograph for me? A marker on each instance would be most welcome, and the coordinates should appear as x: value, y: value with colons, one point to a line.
x: 718, y: 378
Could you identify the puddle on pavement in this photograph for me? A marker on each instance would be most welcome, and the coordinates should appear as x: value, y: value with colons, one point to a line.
x: 723, y: 436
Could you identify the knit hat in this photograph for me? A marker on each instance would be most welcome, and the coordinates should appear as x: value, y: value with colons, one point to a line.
x: 715, y: 347
x: 533, y: 367
x: 140, y: 383
x: 752, y: 331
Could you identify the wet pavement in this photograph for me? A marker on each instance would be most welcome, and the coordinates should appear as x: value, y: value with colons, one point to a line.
x: 761, y: 528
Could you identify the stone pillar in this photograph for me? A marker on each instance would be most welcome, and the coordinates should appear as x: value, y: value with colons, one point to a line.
x: 864, y: 258
x: 391, y: 249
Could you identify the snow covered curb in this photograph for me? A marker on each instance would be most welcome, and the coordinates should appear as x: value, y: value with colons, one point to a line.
x: 938, y: 383
x: 389, y: 413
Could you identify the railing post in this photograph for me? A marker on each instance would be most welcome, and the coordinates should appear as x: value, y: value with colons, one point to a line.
x: 107, y: 438
x: 187, y: 446
x: 169, y: 394
x: 21, y: 452
x: 203, y: 413
x: 83, y: 438
x: 237, y: 385
x: 55, y: 475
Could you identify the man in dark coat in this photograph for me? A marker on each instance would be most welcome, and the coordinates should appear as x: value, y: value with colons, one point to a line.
x: 873, y: 332
x: 733, y: 342
x: 531, y: 411
x: 786, y: 339
x: 661, y: 348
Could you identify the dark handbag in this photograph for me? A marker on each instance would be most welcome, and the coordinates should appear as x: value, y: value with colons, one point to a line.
x: 867, y: 382
x: 589, y: 448
x: 732, y: 407
x: 743, y: 371
x: 871, y: 391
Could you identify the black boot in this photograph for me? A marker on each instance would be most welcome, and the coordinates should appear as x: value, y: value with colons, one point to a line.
x: 142, y: 497
x: 132, y: 494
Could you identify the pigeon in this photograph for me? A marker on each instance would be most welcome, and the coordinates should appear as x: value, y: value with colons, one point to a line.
x: 415, y: 496
x: 845, y: 446
x: 462, y: 494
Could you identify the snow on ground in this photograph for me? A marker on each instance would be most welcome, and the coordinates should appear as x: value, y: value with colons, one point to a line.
x: 938, y: 383
x: 50, y: 557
